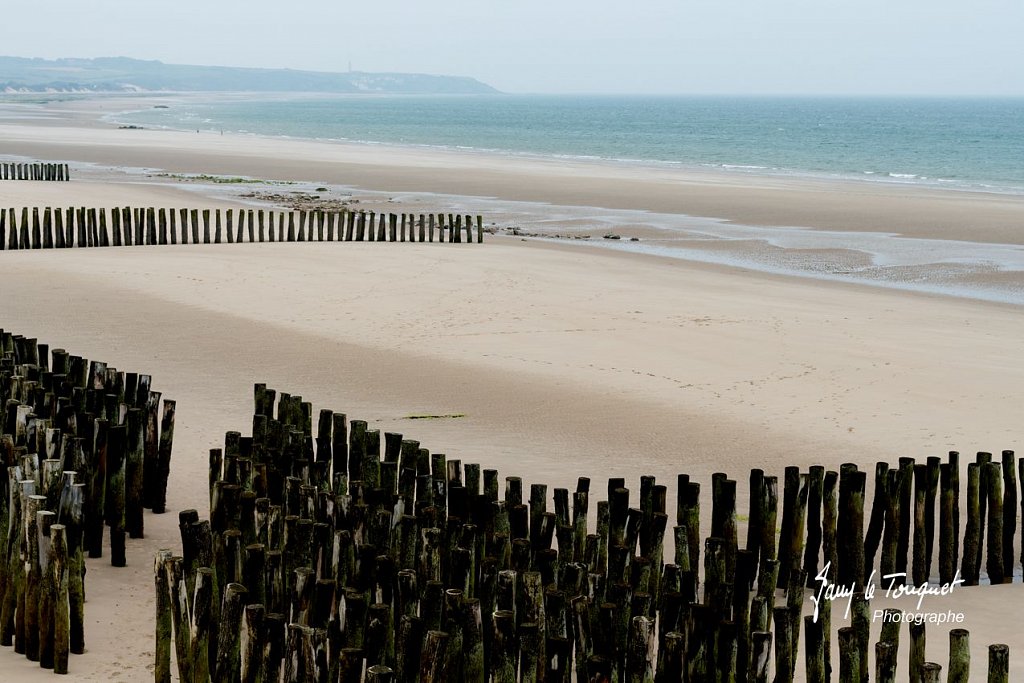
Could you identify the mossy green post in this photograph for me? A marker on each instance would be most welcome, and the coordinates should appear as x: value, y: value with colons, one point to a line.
x: 959, y: 656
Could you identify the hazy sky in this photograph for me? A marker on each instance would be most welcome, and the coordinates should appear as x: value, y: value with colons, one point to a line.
x: 655, y: 46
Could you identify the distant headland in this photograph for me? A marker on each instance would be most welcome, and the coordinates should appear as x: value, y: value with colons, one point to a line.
x: 123, y: 74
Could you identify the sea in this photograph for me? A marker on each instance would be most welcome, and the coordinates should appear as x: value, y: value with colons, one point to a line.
x: 975, y: 144
x: 957, y: 144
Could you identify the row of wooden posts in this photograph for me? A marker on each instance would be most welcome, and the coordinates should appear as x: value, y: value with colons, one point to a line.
x: 34, y: 171
x: 335, y: 553
x: 49, y: 228
x: 81, y: 447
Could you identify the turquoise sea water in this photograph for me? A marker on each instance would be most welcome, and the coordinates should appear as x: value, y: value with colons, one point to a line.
x: 957, y: 143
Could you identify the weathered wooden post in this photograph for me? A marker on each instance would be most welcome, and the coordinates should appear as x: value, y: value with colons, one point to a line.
x: 228, y: 665
x: 849, y: 656
x: 815, y: 652
x: 115, y: 493
x: 947, y: 558
x: 983, y: 459
x: 433, y: 659
x: 998, y: 664
x: 163, y: 464
x: 852, y: 504
x: 885, y: 662
x: 61, y: 608
x: 134, y: 461
x: 1009, y: 521
x: 760, y: 656
x: 162, y: 219
x: 163, y: 621
x: 917, y: 643
x: 994, y: 557
x: 198, y: 643
x: 970, y: 567
x: 959, y: 656
x: 919, y: 565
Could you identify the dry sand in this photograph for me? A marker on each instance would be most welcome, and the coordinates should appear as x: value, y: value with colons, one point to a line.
x: 566, y: 361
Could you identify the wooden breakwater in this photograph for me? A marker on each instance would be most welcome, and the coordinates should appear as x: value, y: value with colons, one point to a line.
x: 34, y: 171
x: 50, y: 228
x: 335, y: 553
x: 82, y: 445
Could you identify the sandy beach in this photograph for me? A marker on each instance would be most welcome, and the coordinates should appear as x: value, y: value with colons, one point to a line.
x: 564, y: 359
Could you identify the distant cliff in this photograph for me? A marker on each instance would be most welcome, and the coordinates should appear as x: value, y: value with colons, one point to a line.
x: 121, y: 74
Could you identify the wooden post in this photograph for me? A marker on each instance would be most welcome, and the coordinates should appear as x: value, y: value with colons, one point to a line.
x: 849, y: 656
x: 885, y: 662
x: 947, y: 558
x: 890, y: 538
x: 998, y: 664
x: 760, y: 656
x: 815, y: 652
x: 959, y: 656
x: 851, y: 499
x: 228, y: 666
x: 252, y: 643
x: 433, y: 659
x: 970, y: 567
x: 115, y: 493
x: 134, y: 473
x: 162, y: 667
x: 640, y: 651
x: 917, y: 642
x: 33, y: 572
x: 1009, y: 512
x: 150, y: 446
x: 58, y: 567
x: 994, y: 557
x: 178, y: 598
x: 783, y: 644
x: 162, y: 218
x: 931, y: 673
x: 920, y: 570
x: 198, y: 645
x: 983, y: 459
x: 876, y: 523
x: 815, y: 486
x: 163, y: 467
